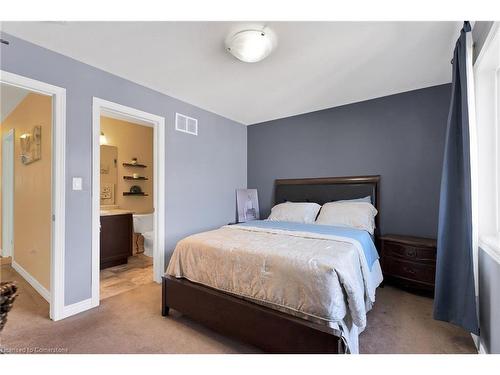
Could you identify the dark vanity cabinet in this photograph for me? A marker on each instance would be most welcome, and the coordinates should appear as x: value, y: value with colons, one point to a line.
x: 116, y: 239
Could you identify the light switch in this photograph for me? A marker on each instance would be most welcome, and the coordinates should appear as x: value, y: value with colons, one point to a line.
x: 77, y: 183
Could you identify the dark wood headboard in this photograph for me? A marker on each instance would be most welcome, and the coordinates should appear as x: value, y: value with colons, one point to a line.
x: 329, y: 189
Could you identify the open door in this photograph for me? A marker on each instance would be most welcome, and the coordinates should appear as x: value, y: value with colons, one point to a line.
x: 7, y: 193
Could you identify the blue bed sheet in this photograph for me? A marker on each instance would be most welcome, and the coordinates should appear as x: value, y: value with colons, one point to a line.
x: 363, y: 237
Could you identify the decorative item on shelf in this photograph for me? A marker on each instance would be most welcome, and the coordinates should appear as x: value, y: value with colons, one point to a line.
x: 31, y: 146
x: 135, y: 175
x: 136, y: 189
x: 134, y: 163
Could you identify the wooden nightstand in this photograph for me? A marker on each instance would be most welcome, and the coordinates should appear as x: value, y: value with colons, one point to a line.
x: 409, y: 261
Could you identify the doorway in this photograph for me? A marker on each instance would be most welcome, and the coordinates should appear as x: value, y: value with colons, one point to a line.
x: 33, y: 145
x: 127, y: 192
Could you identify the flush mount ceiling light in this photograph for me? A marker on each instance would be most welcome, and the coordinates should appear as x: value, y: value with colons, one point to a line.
x: 251, y: 45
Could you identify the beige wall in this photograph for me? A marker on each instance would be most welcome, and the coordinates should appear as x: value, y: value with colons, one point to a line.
x: 132, y: 141
x: 32, y: 188
x: 109, y: 173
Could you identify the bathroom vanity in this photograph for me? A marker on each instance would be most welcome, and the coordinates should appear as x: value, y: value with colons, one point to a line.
x: 116, y: 237
x: 117, y: 209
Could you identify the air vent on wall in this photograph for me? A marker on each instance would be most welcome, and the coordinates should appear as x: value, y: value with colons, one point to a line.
x: 186, y: 124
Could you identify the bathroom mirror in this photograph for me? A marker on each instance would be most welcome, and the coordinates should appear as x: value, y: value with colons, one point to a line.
x: 109, y: 174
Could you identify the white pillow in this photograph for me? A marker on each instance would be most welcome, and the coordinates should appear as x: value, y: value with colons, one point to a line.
x: 366, y: 199
x: 358, y: 215
x: 303, y: 212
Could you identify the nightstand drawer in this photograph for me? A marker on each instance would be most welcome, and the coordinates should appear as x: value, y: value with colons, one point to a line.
x: 410, y: 252
x: 408, y: 270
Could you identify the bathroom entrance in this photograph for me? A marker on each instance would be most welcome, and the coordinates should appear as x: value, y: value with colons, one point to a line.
x: 127, y: 190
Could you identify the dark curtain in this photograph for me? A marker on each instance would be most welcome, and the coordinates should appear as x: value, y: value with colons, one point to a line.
x: 455, y: 299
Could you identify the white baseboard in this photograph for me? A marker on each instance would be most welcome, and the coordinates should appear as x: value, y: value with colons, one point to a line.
x: 2, y: 251
x: 32, y: 281
x: 68, y: 310
x: 76, y: 308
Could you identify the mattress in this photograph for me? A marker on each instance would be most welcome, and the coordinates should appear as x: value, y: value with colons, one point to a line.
x: 327, y: 276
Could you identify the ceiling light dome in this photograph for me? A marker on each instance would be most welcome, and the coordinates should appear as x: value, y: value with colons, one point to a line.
x: 251, y: 45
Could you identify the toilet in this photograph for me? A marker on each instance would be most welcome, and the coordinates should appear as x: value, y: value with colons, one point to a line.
x: 144, y: 224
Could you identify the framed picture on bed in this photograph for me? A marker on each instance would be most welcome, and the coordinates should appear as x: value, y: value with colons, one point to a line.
x: 248, y: 205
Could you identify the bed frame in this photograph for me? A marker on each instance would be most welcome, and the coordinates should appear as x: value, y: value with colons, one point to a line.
x: 268, y: 329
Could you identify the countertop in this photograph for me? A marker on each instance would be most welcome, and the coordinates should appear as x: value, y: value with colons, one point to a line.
x: 115, y: 212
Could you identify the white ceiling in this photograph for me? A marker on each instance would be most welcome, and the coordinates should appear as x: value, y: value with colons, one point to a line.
x: 316, y: 65
x: 10, y: 97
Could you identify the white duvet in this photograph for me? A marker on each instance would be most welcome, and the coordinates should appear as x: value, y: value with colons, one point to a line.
x: 322, y: 278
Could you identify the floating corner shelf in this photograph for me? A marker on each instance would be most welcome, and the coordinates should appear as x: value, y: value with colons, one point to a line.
x: 141, y: 194
x: 134, y: 178
x: 134, y: 165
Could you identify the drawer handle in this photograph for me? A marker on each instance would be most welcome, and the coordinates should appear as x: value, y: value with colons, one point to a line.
x: 409, y: 270
x: 411, y: 253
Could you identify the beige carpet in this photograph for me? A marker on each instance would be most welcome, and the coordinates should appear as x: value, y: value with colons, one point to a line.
x: 131, y: 323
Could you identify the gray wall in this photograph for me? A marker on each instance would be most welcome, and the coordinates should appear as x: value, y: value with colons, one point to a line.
x: 202, y: 172
x: 489, y: 299
x: 400, y: 137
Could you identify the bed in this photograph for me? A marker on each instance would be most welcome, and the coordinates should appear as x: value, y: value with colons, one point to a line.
x: 283, y: 287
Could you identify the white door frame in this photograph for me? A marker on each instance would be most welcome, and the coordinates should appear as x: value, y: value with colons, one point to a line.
x: 158, y: 125
x: 58, y: 94
x: 7, y: 195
